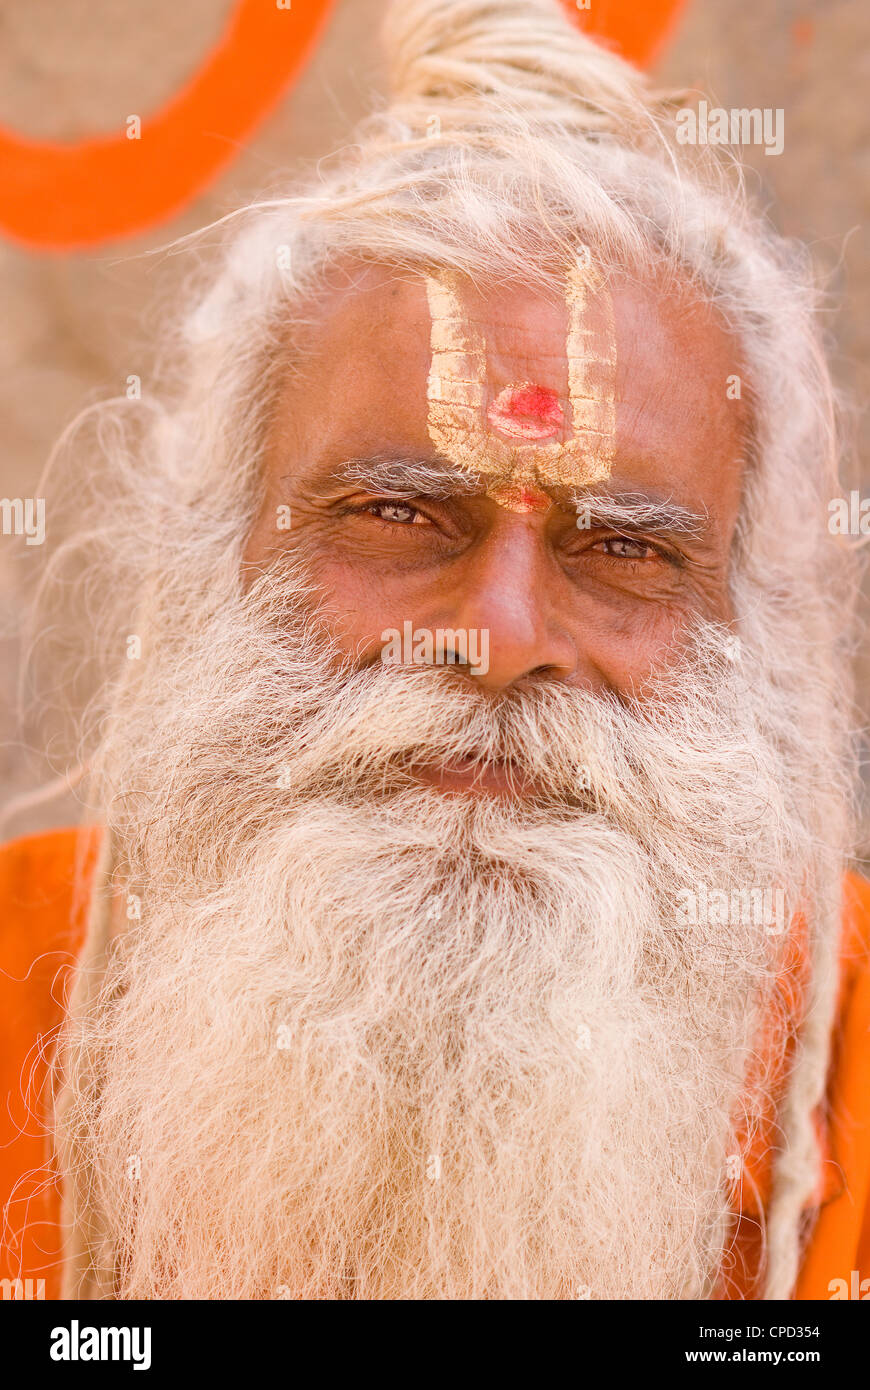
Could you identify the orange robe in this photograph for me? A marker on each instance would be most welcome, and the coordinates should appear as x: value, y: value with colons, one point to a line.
x: 43, y: 907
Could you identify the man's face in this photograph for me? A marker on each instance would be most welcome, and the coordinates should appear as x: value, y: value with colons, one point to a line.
x: 581, y: 595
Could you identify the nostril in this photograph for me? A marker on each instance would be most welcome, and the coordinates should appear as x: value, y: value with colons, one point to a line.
x: 550, y: 673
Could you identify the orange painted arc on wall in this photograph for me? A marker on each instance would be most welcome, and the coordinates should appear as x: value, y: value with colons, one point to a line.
x: 63, y: 196
x: 60, y: 197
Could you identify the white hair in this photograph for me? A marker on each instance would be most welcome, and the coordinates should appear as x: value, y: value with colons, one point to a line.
x: 510, y: 139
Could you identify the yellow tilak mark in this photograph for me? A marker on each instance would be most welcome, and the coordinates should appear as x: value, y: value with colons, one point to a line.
x: 518, y: 472
x: 591, y: 353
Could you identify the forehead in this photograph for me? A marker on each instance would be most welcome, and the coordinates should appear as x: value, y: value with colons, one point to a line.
x: 362, y: 387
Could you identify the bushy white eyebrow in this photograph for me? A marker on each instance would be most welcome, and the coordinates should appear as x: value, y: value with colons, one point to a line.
x: 636, y: 511
x: 408, y: 477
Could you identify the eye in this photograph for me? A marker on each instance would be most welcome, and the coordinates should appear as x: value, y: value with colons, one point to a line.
x: 400, y: 513
x: 625, y: 548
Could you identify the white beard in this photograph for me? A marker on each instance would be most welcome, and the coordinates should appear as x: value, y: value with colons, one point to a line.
x: 374, y: 1041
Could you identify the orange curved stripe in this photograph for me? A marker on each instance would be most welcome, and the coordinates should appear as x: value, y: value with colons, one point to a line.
x: 62, y: 196
x: 637, y: 29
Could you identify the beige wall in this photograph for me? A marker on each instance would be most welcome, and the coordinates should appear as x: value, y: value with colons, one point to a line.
x: 75, y: 327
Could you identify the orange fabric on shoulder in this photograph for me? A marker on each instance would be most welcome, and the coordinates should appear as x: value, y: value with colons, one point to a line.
x: 43, y: 910
x: 838, y: 1255
x: 839, y: 1243
x: 44, y: 882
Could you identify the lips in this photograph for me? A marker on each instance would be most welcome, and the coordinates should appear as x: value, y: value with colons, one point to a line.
x: 526, y: 411
x: 472, y: 775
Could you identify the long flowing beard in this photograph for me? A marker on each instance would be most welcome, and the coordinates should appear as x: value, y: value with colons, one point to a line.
x: 373, y: 1041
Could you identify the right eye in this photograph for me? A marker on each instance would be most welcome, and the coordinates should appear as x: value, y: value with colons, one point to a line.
x: 400, y: 513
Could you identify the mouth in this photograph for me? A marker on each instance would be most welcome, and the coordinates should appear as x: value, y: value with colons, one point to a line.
x: 473, y: 775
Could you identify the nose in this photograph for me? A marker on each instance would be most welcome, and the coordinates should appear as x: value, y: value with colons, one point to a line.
x: 510, y: 595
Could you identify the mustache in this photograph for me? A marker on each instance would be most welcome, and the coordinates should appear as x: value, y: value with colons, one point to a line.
x: 380, y: 722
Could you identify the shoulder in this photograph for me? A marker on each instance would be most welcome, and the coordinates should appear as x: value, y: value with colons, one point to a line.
x: 44, y: 891
x: 839, y: 1249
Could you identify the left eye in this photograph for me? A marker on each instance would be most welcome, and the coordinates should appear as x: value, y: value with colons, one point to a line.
x: 626, y: 549
x: 400, y: 512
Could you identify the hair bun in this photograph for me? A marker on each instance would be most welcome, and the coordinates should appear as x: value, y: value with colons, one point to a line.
x: 524, y: 56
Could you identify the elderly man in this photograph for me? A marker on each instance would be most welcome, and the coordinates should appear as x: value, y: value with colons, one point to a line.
x: 465, y: 911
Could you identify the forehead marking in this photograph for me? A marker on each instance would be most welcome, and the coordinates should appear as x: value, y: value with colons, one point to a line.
x: 526, y: 412
x: 509, y: 440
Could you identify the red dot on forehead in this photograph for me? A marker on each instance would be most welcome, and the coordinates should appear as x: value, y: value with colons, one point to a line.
x: 526, y: 411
